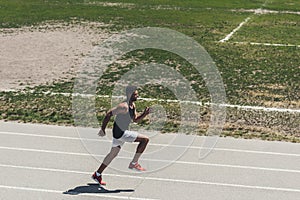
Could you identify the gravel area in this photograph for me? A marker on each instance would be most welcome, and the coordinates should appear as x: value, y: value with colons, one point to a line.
x: 42, y: 54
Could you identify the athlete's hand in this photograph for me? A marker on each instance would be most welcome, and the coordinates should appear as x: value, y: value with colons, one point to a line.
x: 147, y: 110
x: 101, y: 133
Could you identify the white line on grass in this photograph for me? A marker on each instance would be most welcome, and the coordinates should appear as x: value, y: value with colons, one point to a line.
x: 151, y: 144
x: 235, y: 30
x: 64, y: 192
x: 260, y: 11
x: 268, y: 44
x: 158, y: 160
x: 266, y: 109
x: 159, y: 179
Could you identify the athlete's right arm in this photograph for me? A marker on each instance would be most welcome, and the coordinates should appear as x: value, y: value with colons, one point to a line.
x: 114, y: 111
x: 105, y: 122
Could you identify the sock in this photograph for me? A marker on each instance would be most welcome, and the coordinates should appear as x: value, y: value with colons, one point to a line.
x: 133, y: 163
x: 97, y: 174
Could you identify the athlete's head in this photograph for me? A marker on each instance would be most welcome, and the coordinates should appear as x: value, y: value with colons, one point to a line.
x: 131, y: 93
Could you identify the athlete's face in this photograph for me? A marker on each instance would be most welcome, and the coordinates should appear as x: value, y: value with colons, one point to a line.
x: 134, y: 95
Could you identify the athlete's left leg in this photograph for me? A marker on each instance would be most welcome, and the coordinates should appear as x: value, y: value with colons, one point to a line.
x: 143, y: 141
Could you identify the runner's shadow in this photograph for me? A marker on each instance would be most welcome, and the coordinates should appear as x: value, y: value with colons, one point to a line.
x: 94, y: 188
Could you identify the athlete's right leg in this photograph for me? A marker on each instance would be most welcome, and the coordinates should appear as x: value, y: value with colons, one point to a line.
x: 109, y: 157
x: 97, y: 176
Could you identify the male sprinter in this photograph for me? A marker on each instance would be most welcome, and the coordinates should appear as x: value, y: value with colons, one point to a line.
x: 125, y: 112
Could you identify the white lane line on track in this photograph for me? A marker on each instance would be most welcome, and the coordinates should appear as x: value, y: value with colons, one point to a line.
x: 235, y: 30
x: 48, y: 136
x: 62, y: 192
x: 161, y: 179
x: 158, y: 160
x: 153, y: 144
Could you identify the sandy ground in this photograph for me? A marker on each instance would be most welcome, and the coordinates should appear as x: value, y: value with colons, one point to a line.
x: 45, y: 53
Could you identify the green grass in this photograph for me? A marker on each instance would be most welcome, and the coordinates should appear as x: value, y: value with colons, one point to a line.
x: 35, y: 107
x: 258, y: 69
x: 252, y: 75
x: 213, y: 4
x: 292, y: 5
x: 271, y: 28
x: 204, y: 24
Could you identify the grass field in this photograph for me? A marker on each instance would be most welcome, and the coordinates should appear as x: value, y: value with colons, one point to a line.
x: 259, y: 74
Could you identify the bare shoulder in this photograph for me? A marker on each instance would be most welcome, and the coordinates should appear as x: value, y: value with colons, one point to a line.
x: 121, y: 108
x: 122, y: 105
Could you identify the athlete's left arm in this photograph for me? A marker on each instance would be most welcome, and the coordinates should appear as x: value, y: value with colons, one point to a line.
x: 139, y: 118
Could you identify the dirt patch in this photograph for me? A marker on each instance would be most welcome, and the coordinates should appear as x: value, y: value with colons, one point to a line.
x: 51, y: 51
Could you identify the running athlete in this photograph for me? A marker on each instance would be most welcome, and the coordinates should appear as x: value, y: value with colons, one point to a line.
x: 125, y: 113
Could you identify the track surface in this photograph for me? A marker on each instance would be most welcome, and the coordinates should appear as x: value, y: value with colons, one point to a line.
x: 54, y: 162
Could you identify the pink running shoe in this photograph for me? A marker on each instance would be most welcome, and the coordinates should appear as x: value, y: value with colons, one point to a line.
x: 136, y: 166
x: 98, y: 179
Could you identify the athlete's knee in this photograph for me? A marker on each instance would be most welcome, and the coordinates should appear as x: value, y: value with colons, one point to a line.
x: 145, y: 140
x: 142, y: 139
